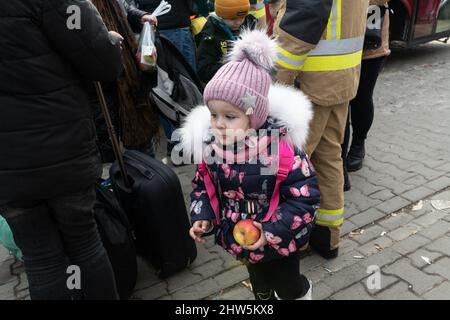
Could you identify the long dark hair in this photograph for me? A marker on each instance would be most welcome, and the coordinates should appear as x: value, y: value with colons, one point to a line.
x: 139, y: 120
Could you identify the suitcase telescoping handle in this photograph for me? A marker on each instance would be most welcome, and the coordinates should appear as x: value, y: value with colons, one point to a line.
x: 112, y: 134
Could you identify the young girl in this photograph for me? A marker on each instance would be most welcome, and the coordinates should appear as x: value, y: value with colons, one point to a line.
x: 237, y: 186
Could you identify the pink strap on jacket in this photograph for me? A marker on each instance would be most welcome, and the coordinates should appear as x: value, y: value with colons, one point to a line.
x: 285, y: 163
x: 210, y: 190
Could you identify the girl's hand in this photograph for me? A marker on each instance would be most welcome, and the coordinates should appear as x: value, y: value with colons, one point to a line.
x: 198, y: 229
x: 262, y: 241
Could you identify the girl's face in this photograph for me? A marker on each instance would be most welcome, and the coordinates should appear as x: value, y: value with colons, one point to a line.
x: 229, y: 124
x: 234, y: 24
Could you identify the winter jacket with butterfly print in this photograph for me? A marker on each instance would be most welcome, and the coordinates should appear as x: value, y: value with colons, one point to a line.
x: 244, y: 193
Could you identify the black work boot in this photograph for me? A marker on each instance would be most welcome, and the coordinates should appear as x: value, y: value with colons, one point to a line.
x: 304, y: 251
x: 356, y: 156
x: 320, y: 242
x: 347, y: 185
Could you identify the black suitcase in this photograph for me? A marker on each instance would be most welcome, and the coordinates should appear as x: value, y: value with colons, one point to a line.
x: 151, y: 195
x: 117, y: 237
x: 156, y: 209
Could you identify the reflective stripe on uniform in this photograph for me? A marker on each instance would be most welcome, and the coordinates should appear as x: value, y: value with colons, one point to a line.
x: 258, y: 13
x: 330, y: 54
x: 333, y: 63
x: 330, y: 223
x: 337, y: 47
x: 339, y: 20
x: 334, y: 22
x: 332, y: 218
x: 324, y: 62
x: 289, y: 60
x: 259, y: 10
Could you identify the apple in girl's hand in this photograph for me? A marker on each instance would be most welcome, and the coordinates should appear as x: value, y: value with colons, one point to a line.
x: 246, y: 233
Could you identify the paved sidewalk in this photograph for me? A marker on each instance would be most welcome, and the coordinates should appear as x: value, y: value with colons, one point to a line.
x: 407, y: 161
x: 13, y: 282
x: 409, y: 249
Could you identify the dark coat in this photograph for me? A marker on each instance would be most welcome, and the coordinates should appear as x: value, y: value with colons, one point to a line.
x: 213, y: 44
x: 290, y: 226
x: 47, y: 135
x: 177, y: 17
x: 134, y: 15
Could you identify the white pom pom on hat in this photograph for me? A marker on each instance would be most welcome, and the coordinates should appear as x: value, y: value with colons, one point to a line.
x: 244, y: 81
x: 255, y: 46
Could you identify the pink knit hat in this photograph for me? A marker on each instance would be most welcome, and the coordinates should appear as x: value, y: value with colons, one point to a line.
x: 245, y: 80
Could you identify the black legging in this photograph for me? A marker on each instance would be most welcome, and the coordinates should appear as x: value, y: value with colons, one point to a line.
x: 361, y: 107
x: 281, y: 276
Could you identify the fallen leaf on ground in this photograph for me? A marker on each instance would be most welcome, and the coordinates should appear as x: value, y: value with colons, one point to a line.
x: 247, y: 285
x: 383, y: 233
x: 418, y: 206
x: 426, y: 259
x: 328, y: 270
x: 356, y: 233
x: 440, y: 204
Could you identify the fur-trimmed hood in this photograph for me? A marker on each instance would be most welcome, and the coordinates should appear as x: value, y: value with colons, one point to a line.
x: 288, y: 106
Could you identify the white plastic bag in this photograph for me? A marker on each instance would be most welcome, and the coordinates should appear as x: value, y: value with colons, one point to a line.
x: 162, y: 8
x: 147, y: 51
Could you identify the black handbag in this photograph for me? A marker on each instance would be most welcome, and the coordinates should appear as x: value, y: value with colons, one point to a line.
x: 374, y: 36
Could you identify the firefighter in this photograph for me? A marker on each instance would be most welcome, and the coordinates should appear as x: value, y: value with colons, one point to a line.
x: 258, y: 9
x: 320, y: 50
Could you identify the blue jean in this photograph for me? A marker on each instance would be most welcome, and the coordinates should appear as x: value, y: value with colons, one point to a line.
x: 183, y: 40
x: 168, y: 128
x: 58, y: 232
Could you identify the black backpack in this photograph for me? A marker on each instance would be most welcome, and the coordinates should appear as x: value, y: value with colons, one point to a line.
x: 178, y: 88
x: 118, y: 240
